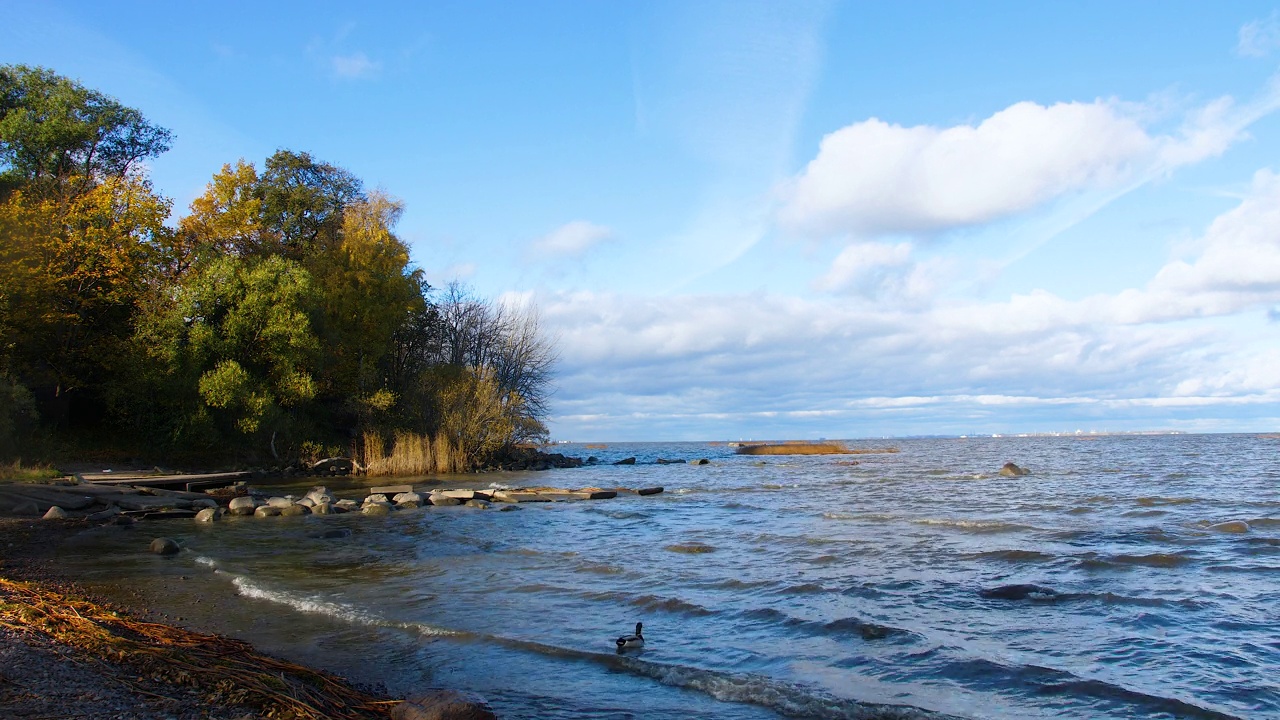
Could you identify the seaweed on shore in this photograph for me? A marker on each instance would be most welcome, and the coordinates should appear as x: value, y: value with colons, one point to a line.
x: 225, y: 670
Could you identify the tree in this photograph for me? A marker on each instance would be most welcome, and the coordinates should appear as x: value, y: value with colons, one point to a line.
x: 56, y: 136
x: 303, y: 202
x: 238, y: 340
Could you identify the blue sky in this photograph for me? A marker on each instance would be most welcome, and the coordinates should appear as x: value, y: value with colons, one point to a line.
x: 780, y: 219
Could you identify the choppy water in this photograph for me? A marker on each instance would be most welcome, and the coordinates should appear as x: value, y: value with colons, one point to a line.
x: 783, y: 586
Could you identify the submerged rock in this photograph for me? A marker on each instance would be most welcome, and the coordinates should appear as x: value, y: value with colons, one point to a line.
x: 165, y: 546
x: 1012, y: 470
x: 443, y: 705
x: 701, y: 461
x: 478, y: 503
x: 1018, y: 592
x: 626, y: 461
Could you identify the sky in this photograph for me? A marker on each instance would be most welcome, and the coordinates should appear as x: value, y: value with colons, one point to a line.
x: 779, y: 220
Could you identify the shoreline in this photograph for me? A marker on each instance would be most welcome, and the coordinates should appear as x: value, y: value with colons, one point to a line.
x: 66, y: 652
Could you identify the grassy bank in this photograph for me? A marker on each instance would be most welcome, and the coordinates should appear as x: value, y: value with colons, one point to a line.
x: 16, y: 471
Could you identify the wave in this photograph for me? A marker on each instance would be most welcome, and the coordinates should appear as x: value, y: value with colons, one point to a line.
x: 1041, y: 593
x: 310, y: 605
x: 1155, y: 560
x: 986, y: 526
x: 1152, y: 501
x: 1013, y: 556
x: 1051, y: 681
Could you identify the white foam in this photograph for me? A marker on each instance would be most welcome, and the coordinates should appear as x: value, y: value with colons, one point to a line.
x: 310, y: 605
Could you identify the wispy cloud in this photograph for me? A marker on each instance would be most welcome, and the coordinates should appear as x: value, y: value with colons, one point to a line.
x: 354, y: 66
x: 573, y: 238
x: 1259, y: 38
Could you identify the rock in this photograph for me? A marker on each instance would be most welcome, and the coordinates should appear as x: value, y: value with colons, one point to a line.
x: 1230, y: 526
x: 318, y: 495
x: 55, y: 513
x: 323, y: 508
x: 516, y: 496
x: 375, y: 498
x: 241, y: 503
x: 346, y: 505
x: 649, y: 491
x: 110, y: 512
x: 444, y: 500
x: 266, y: 511
x: 280, y: 502
x: 295, y: 510
x: 203, y: 503
x: 377, y: 509
x: 701, y: 461
x: 593, y: 459
x: 462, y: 494
x: 407, y: 497
x: 669, y: 462
x: 209, y: 514
x: 1011, y: 470
x: 626, y: 461
x: 478, y: 503
x: 506, y: 508
x: 602, y: 494
x: 165, y: 546
x: 306, y: 502
x: 443, y: 705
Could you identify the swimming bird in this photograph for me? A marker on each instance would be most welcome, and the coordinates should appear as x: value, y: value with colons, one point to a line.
x: 632, y: 641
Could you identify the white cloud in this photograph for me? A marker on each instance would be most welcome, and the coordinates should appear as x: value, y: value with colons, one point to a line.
x: 1145, y: 354
x: 354, y: 66
x: 1259, y: 37
x: 873, y: 178
x: 572, y: 238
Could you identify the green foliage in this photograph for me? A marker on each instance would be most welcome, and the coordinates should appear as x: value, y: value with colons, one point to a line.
x: 58, y: 136
x: 17, y: 416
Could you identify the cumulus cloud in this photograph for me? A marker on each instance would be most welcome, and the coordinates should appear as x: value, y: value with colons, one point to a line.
x: 572, y: 238
x: 1259, y: 37
x: 874, y: 178
x: 354, y: 66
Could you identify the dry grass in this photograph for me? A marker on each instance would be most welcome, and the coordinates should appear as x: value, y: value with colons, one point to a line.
x: 226, y: 671
x: 412, y: 454
x: 17, y: 472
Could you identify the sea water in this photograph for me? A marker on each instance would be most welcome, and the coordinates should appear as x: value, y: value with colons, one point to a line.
x: 841, y: 586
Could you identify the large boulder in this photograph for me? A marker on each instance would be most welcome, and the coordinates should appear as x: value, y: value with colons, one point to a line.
x: 323, y: 508
x: 440, y: 499
x: 280, y: 502
x: 266, y: 511
x: 376, y: 498
x: 407, y: 497
x: 295, y: 510
x: 443, y: 705
x: 346, y: 505
x: 377, y: 509
x: 203, y: 503
x: 1012, y: 470
x: 209, y: 514
x: 241, y: 506
x: 478, y: 503
x: 165, y: 546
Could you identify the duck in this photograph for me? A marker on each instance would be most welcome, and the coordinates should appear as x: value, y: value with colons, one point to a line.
x: 632, y: 641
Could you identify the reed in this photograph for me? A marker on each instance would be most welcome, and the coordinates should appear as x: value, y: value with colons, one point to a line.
x: 412, y: 454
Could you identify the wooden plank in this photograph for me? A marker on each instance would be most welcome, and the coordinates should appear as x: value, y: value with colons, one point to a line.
x: 165, y: 480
